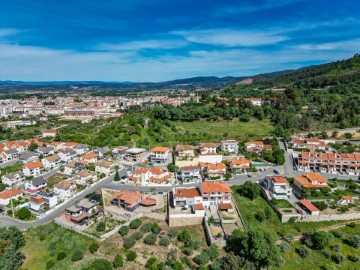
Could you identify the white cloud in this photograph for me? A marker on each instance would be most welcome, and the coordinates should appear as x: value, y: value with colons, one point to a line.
x: 251, y: 7
x: 346, y: 45
x: 43, y: 64
x: 143, y: 44
x: 232, y: 38
x: 5, y: 32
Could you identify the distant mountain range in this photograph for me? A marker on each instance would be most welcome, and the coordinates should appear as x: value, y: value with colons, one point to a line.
x: 345, y: 71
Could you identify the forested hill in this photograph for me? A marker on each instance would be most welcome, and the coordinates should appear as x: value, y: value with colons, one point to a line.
x: 340, y: 72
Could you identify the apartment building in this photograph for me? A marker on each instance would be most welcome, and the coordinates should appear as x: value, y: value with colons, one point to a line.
x: 160, y: 154
x: 310, y: 180
x: 278, y: 187
x: 329, y: 163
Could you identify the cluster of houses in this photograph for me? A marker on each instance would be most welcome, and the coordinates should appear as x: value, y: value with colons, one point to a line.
x: 316, y: 155
x: 75, y: 163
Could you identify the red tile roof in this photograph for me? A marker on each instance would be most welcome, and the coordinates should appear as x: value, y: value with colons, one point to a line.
x: 187, y: 193
x: 220, y: 186
x: 308, y: 205
x: 7, y: 194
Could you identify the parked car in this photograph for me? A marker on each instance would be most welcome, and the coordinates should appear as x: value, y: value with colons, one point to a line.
x: 276, y: 171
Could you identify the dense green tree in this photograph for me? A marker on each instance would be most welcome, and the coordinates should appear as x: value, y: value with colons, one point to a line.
x: 249, y: 190
x: 23, y: 213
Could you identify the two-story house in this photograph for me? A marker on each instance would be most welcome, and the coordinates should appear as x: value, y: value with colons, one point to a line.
x: 33, y: 168
x: 239, y: 165
x: 89, y: 158
x: 256, y: 146
x: 229, y: 146
x: 13, y: 179
x: 104, y: 167
x: 310, y: 180
x: 159, y: 176
x: 185, y: 152
x: 215, y: 171
x: 65, y: 189
x: 208, y: 148
x: 35, y: 184
x: 189, y: 174
x: 51, y: 162
x: 85, y: 177
x: 73, y: 166
x: 278, y: 187
x: 67, y: 155
x: 159, y: 154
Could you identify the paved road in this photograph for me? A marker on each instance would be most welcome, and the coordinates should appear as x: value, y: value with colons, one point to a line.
x: 8, y: 163
x: 6, y: 221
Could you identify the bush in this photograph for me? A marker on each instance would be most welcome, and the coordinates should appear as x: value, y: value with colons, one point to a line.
x: 260, y: 216
x: 212, y: 251
x: 151, y: 262
x: 98, y: 264
x: 284, y: 247
x: 326, y: 254
x: 131, y: 256
x: 172, y: 233
x: 101, y: 226
x: 150, y: 239
x: 164, y: 242
x: 118, y: 261
x: 155, y: 228
x: 320, y: 205
x: 23, y: 213
x: 124, y: 230
x: 354, y: 258
x: 129, y: 242
x: 184, y: 236
x: 354, y: 241
x: 146, y: 227
x: 338, y: 258
x: 303, y: 251
x: 351, y: 225
x: 94, y: 246
x: 188, y: 251
x: 338, y: 234
x: 193, y: 243
x: 136, y: 223
x: 60, y: 256
x: 77, y: 255
x: 202, y: 258
x: 318, y: 240
x: 50, y: 264
x: 336, y: 247
x: 137, y: 235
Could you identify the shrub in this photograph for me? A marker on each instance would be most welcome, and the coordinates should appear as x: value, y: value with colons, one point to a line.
x: 351, y: 224
x: 164, y: 242
x: 23, y: 213
x: 320, y: 205
x: 354, y: 258
x: 94, y: 246
x: 102, y: 264
x: 326, y: 254
x: 131, y: 256
x: 136, y: 223
x: 202, y: 258
x: 193, y: 243
x: 124, y: 230
x: 60, y: 256
x: 50, y: 264
x: 146, y: 227
x: 150, y: 239
x: 284, y: 247
x: 172, y: 233
x: 129, y: 242
x: 318, y: 240
x: 336, y: 247
x: 303, y: 251
x: 155, y: 228
x: 77, y: 255
x: 260, y: 216
x: 354, y: 241
x: 338, y: 258
x: 118, y: 261
x: 151, y: 262
x: 338, y: 234
x: 188, y: 251
x: 212, y: 251
x: 184, y: 236
x: 101, y: 226
x: 137, y: 235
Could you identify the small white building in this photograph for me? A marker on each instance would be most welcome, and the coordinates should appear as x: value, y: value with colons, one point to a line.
x: 229, y: 146
x: 33, y: 168
x: 13, y: 178
x: 65, y: 189
x: 67, y: 155
x: 51, y: 162
x: 104, y: 167
x: 278, y: 186
x: 189, y: 174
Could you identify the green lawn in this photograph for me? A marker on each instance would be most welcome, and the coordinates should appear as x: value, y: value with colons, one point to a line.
x: 55, y: 239
x: 12, y: 168
x: 254, y: 129
x: 248, y: 209
x: 56, y: 178
x: 317, y: 260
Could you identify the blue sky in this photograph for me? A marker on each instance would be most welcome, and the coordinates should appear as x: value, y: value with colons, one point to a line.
x: 142, y: 40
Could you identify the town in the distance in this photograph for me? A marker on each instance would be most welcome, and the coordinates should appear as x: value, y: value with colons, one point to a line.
x: 136, y: 182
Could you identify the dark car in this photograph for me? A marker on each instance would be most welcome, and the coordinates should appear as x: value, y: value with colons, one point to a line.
x: 276, y: 171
